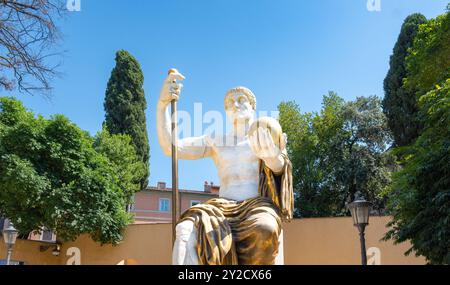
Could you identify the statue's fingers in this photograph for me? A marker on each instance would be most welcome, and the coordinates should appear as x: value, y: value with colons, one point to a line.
x: 269, y: 139
x: 275, y: 148
x: 174, y: 76
x: 174, y: 86
x: 259, y: 148
x: 272, y: 147
x: 262, y: 138
x: 271, y: 151
x: 174, y: 91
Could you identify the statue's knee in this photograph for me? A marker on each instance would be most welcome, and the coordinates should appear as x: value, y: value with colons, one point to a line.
x: 270, y: 229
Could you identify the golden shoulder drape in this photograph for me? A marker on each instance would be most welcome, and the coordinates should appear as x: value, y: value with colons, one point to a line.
x: 278, y: 188
x: 245, y: 232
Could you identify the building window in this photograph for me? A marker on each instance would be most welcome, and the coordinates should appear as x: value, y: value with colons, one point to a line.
x: 195, y: 202
x: 164, y: 205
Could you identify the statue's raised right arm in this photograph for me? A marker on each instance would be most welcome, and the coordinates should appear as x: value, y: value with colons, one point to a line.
x: 187, y: 148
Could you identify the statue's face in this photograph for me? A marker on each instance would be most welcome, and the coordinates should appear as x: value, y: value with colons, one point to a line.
x: 238, y: 108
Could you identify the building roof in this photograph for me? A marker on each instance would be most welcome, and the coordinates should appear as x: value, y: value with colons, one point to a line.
x: 151, y: 188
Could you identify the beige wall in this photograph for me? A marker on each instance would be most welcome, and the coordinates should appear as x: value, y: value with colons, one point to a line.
x: 145, y: 244
x: 28, y: 251
x: 306, y: 241
x: 336, y: 241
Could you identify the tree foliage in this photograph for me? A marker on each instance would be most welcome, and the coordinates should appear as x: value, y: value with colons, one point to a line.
x: 123, y: 159
x: 28, y: 35
x: 399, y: 103
x: 419, y: 198
x: 125, y: 106
x: 337, y: 153
x: 428, y: 62
x: 52, y: 176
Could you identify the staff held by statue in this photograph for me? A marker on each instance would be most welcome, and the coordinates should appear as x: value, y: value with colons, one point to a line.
x: 175, y: 191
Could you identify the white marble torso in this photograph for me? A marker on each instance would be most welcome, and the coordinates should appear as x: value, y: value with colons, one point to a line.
x: 238, y: 168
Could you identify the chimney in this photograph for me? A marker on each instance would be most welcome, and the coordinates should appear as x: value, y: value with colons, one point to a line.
x: 207, y: 187
x: 161, y: 185
x: 214, y: 188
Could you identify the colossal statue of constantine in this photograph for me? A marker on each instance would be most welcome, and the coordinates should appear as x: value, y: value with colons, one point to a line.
x: 243, y: 225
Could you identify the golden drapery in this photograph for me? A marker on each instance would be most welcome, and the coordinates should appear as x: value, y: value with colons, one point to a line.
x: 278, y: 188
x: 245, y: 232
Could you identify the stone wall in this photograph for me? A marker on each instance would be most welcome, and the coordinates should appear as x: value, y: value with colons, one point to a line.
x: 306, y: 241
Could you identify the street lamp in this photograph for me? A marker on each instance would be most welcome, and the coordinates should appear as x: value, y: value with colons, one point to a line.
x: 10, y: 236
x: 360, y: 214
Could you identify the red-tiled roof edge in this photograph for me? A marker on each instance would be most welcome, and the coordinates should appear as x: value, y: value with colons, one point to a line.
x: 181, y: 190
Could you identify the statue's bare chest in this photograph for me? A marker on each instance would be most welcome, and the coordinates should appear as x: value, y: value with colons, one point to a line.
x: 235, y: 156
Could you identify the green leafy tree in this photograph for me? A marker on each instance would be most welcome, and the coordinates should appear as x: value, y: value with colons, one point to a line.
x: 420, y: 195
x: 123, y: 159
x: 400, y: 104
x: 337, y: 153
x: 125, y: 106
x: 52, y: 176
x: 304, y: 155
x: 419, y: 198
x: 358, y: 161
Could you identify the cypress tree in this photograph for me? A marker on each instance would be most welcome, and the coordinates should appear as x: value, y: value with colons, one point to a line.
x: 400, y: 104
x: 125, y: 106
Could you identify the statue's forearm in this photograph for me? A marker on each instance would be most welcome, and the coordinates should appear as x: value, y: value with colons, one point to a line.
x: 163, y: 126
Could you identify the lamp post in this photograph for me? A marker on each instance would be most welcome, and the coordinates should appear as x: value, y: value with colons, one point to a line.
x: 360, y: 214
x: 10, y: 236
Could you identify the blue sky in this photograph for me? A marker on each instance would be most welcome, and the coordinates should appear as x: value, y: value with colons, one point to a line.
x: 282, y: 50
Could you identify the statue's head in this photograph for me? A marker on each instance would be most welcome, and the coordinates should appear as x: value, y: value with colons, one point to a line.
x: 240, y: 104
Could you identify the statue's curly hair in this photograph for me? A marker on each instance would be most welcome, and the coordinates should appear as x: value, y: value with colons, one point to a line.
x: 240, y: 89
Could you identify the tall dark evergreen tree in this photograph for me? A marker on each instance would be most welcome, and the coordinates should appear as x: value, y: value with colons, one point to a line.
x: 400, y: 104
x: 125, y: 106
